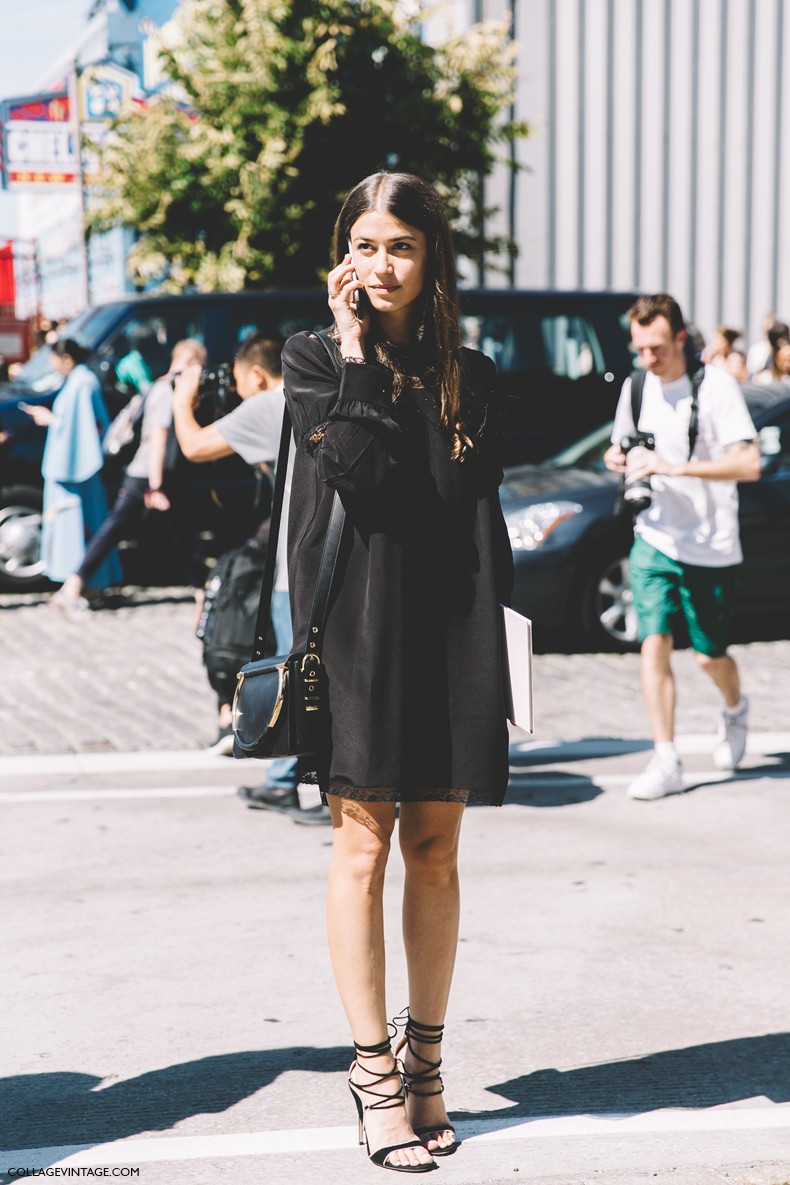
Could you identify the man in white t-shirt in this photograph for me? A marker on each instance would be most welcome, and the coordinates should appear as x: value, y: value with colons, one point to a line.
x: 687, y: 545
x: 253, y: 431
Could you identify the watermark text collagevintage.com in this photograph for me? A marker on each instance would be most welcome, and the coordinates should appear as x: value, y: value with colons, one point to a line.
x: 56, y: 1170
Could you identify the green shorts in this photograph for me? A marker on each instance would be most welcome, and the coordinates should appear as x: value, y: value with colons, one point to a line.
x: 663, y: 587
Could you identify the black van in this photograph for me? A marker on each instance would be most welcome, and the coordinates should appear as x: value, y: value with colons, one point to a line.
x: 562, y: 355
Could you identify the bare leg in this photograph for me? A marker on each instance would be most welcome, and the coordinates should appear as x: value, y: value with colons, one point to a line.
x: 658, y: 685
x: 724, y: 674
x: 72, y: 586
x: 429, y: 834
x: 361, y: 835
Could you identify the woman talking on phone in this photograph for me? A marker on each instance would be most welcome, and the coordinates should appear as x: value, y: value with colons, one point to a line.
x: 403, y: 421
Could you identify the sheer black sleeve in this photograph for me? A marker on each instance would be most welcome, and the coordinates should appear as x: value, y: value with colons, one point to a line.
x: 344, y: 420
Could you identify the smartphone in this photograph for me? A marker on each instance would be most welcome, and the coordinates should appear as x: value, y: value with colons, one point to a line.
x: 359, y: 300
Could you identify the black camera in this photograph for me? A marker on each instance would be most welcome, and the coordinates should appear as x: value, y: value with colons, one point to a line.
x: 635, y: 494
x: 217, y: 393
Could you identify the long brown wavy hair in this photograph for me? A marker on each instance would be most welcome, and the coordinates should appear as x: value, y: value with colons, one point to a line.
x: 437, y: 313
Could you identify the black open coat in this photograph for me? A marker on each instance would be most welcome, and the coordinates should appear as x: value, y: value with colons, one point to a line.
x: 411, y: 646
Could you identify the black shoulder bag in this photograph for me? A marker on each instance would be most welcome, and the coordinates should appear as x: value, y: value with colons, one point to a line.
x: 281, y: 704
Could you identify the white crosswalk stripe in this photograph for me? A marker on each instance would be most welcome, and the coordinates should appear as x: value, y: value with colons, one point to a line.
x: 141, y: 1150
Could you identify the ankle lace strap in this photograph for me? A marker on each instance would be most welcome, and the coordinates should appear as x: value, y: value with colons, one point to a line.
x: 426, y: 1034
x: 429, y: 1075
x: 383, y: 1100
x: 366, y: 1051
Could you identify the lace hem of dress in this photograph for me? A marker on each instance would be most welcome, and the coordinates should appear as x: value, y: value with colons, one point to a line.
x: 409, y: 794
x: 399, y: 793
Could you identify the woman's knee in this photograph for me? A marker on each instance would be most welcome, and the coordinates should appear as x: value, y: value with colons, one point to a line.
x: 433, y: 854
x: 361, y: 842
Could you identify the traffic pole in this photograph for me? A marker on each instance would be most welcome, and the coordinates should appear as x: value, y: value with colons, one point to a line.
x: 76, y: 131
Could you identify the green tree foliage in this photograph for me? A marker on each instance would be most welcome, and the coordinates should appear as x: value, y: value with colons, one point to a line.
x: 286, y: 105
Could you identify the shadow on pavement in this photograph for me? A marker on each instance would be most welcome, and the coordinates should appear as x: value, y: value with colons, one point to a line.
x: 778, y: 769
x: 583, y: 749
x: 700, y: 1076
x: 60, y: 1110
x: 531, y: 786
x: 553, y: 789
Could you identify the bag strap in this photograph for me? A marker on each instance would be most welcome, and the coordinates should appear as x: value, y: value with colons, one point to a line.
x: 696, y: 383
x: 637, y: 387
x: 637, y: 390
x: 329, y: 555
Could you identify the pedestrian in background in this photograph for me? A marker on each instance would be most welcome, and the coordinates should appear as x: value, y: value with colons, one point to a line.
x: 687, y: 545
x: 759, y: 352
x: 735, y: 364
x: 777, y: 368
x: 720, y: 346
x: 143, y: 482
x: 404, y: 422
x: 74, y: 501
x: 252, y: 430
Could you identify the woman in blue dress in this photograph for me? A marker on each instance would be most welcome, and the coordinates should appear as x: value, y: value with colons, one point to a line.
x: 74, y: 501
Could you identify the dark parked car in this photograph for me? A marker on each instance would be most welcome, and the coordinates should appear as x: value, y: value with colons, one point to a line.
x: 562, y: 355
x: 571, y: 553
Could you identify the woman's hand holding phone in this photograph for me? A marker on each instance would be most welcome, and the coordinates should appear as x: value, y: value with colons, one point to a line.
x: 41, y: 416
x: 351, y: 321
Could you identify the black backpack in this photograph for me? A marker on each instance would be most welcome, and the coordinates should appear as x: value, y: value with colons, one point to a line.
x: 230, y: 607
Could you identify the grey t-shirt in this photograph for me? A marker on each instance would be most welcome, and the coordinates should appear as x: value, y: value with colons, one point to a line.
x: 253, y: 431
x: 157, y: 413
x: 253, y: 428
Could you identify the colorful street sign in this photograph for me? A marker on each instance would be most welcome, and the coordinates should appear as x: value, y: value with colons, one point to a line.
x: 38, y: 148
x: 105, y: 92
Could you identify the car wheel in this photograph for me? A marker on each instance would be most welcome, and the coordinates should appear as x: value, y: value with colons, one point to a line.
x: 608, y: 615
x: 21, y: 566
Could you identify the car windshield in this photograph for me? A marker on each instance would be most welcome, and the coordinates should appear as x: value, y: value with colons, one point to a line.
x: 586, y: 453
x: 88, y: 329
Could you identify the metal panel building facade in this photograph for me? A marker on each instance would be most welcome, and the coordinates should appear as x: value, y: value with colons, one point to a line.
x: 658, y: 158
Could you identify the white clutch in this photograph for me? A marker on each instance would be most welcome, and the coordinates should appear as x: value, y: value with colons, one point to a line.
x: 517, y: 668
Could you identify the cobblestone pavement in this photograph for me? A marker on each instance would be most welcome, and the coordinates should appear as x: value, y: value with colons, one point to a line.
x: 129, y: 677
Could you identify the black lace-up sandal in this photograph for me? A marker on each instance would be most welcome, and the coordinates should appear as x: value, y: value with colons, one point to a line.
x: 382, y: 1102
x: 426, y: 1081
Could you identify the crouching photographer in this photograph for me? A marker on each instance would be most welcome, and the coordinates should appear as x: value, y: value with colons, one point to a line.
x: 252, y: 430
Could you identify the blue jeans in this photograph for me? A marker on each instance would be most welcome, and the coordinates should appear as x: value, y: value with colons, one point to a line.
x: 282, y: 774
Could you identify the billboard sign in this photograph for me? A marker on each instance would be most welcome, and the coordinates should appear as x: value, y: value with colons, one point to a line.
x: 39, y: 150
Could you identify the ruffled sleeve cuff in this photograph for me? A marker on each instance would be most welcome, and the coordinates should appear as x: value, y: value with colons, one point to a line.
x: 365, y: 394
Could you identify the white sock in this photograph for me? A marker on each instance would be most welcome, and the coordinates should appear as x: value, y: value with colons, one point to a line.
x: 739, y: 707
x: 666, y: 753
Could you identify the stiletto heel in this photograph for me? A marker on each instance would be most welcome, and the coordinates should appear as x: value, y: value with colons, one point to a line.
x: 383, y: 1103
x: 414, y: 1081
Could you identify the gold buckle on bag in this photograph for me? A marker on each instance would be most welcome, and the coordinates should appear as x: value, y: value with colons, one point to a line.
x: 312, y: 702
x: 236, y: 713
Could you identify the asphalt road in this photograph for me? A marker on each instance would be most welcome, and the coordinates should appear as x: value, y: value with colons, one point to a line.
x: 620, y: 1011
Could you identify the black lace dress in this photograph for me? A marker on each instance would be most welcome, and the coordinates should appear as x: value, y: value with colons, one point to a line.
x: 411, y: 646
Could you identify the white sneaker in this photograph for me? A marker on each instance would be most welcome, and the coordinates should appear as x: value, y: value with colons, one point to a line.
x: 657, y: 781
x: 731, y: 737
